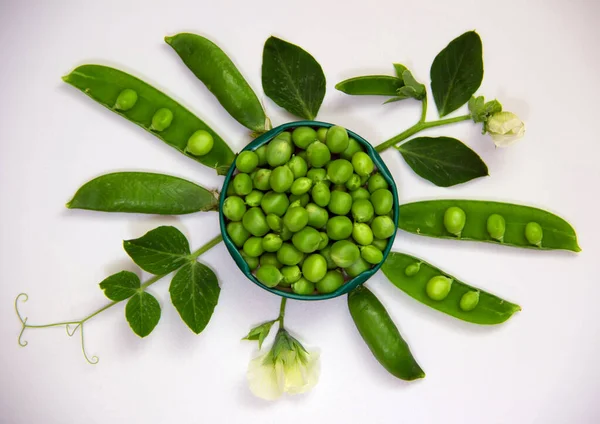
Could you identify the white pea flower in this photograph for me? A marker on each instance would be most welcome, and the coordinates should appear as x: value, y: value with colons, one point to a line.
x: 505, y: 128
x: 287, y: 368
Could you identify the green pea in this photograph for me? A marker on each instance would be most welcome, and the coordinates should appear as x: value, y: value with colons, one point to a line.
x: 290, y: 274
x: 254, y: 198
x: 247, y: 161
x: 339, y: 187
x: 340, y: 203
x: 364, y: 179
x: 469, y: 301
x: 375, y: 182
x: 295, y: 218
x: 357, y: 268
x: 321, y: 194
x: 362, y: 163
x: 326, y: 253
x: 261, y: 152
x: 383, y: 201
x: 270, y: 258
x: 268, y: 275
x: 339, y: 171
x: 289, y: 255
x: 230, y: 190
x: 271, y: 242
x: 303, y: 136
x: 254, y: 220
x: 253, y: 247
x: 438, y: 287
x: 301, y: 186
x: 383, y: 227
x: 276, y: 203
x: 237, y: 233
x: 317, y: 216
x: 362, y: 234
x: 534, y: 233
x: 162, y: 119
x: 318, y: 154
x: 281, y: 179
x: 301, y: 199
x: 353, y: 182
x: 307, y: 240
x: 344, y: 253
x: 360, y: 193
x: 322, y: 134
x: 332, y: 281
x: 371, y: 254
x: 279, y: 151
x: 242, y: 184
x: 274, y: 222
x: 317, y: 175
x: 251, y: 261
x: 200, y: 143
x: 362, y: 210
x: 496, y: 226
x: 314, y: 267
x: 126, y: 100
x: 381, y: 244
x: 324, y: 240
x: 337, y: 139
x: 285, y: 136
x: 261, y: 179
x: 298, y: 166
x: 286, y: 233
x: 339, y: 228
x: 303, y: 286
x: 353, y: 147
x: 412, y: 269
x: 234, y: 208
x: 454, y: 220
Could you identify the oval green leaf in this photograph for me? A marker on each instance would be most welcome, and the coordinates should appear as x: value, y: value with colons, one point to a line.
x: 143, y: 313
x: 376, y: 85
x: 215, y: 69
x: 444, y: 161
x: 490, y: 310
x: 195, y: 293
x: 120, y: 286
x: 457, y: 72
x: 143, y: 192
x: 427, y: 219
x: 104, y: 84
x: 292, y: 78
x: 159, y: 251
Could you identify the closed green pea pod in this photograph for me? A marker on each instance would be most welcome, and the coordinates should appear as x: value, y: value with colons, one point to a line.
x: 496, y: 226
x: 381, y: 335
x: 378, y: 85
x: 214, y: 68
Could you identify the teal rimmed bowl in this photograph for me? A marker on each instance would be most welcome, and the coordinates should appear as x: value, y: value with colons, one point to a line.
x: 239, y: 260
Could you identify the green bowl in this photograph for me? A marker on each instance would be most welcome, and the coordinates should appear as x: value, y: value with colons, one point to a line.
x: 237, y: 257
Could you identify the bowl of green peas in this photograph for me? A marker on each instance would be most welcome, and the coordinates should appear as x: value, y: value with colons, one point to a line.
x: 308, y: 210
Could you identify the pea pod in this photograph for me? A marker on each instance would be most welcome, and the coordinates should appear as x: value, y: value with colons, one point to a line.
x: 427, y: 219
x: 143, y: 192
x: 113, y: 89
x: 381, y: 335
x: 462, y: 301
x: 377, y: 85
x: 214, y: 68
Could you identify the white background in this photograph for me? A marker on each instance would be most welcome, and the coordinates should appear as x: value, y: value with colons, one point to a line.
x: 541, y: 61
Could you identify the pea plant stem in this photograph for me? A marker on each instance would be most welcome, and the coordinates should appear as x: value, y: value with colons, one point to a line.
x: 418, y: 127
x: 281, y: 312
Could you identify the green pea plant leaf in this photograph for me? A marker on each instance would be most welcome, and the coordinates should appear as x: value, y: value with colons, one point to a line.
x: 444, y: 161
x: 195, y: 292
x: 143, y: 192
x: 292, y: 78
x: 159, y: 251
x: 120, y: 286
x: 142, y: 313
x: 260, y: 332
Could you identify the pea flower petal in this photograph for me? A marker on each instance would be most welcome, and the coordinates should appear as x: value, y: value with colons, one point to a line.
x: 505, y: 128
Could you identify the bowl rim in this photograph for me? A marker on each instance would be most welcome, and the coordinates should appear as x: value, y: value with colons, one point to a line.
x: 350, y: 284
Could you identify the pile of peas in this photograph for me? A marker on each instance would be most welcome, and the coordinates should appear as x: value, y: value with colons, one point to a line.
x: 308, y: 210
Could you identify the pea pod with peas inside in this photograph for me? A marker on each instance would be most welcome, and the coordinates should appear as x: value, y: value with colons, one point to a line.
x: 216, y: 70
x: 154, y: 111
x: 494, y: 222
x: 439, y: 290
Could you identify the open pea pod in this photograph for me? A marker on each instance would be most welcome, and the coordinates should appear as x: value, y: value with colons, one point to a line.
x: 105, y: 84
x: 462, y: 301
x: 493, y: 222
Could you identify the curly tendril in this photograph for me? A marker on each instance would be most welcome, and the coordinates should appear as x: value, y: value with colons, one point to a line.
x: 23, y: 297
